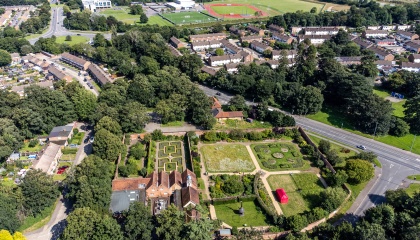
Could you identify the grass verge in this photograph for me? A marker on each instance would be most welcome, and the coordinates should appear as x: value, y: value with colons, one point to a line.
x: 413, y: 188
x: 74, y: 40
x: 33, y: 223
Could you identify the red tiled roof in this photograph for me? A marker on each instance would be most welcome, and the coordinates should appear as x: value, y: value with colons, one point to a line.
x: 216, y: 103
x: 163, y: 179
x: 233, y: 114
x: 175, y: 178
x: 189, y: 194
x: 129, y: 183
x: 193, y: 178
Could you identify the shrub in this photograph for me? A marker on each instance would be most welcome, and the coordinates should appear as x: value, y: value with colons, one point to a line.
x: 33, y: 143
x: 294, y: 153
x: 307, y: 150
x: 324, y: 146
x: 236, y: 134
x: 254, y: 136
x: 137, y: 151
x: 123, y: 171
x: 75, y: 131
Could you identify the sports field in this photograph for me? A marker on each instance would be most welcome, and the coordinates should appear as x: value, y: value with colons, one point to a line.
x: 188, y: 17
x: 243, y: 10
x: 121, y: 14
x: 276, y: 7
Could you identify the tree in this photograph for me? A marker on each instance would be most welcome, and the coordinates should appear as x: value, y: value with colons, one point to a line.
x: 412, y: 113
x: 109, y: 124
x: 136, y: 9
x: 170, y: 223
x: 307, y: 100
x: 5, y: 58
x: 368, y: 156
x: 368, y: 67
x: 383, y: 215
x: 138, y: 223
x: 324, y: 146
x: 68, y: 38
x: 337, y: 179
x: 233, y: 185
x: 172, y: 109
x: 220, y: 52
x: 90, y: 185
x: 133, y: 117
x: 9, y: 206
x: 137, y: 151
x: 359, y: 171
x: 198, y: 230
x: 84, y: 103
x: 99, y: 40
x: 39, y: 192
x: 84, y: 223
x: 5, y: 235
x: 398, y: 199
x: 332, y: 198
x: 237, y: 103
x: 334, y: 158
x: 367, y: 231
x: 217, y: 28
x: 107, y: 145
x: 10, y: 138
x: 143, y: 18
x: 313, y: 10
x: 297, y: 222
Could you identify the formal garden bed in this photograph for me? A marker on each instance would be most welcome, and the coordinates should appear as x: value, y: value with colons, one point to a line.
x: 302, y: 189
x: 231, y: 185
x: 226, y: 158
x: 169, y: 156
x: 279, y: 156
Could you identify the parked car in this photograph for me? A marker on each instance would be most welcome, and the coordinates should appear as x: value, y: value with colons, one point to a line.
x: 92, y: 139
x: 361, y: 147
x: 218, y: 94
x: 73, y: 145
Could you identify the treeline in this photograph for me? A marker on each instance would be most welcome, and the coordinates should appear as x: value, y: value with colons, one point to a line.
x: 12, y: 41
x: 37, y: 23
x: 86, y: 21
x: 395, y: 219
x: 73, y: 4
x: 21, y: 2
x: 368, y: 13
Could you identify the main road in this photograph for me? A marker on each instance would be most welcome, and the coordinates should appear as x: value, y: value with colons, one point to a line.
x: 397, y: 164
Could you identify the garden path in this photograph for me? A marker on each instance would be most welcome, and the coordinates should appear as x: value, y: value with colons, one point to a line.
x: 270, y: 193
x: 212, y: 211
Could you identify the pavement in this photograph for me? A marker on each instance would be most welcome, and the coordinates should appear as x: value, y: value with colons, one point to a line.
x: 53, y: 229
x: 397, y: 164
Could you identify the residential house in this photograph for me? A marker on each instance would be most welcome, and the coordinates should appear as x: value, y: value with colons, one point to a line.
x: 385, y: 66
x: 208, y: 70
x: 61, y: 134
x: 388, y: 27
x: 246, y: 56
x: 251, y: 38
x: 382, y: 54
x: 260, y: 47
x: 255, y: 30
x: 374, y: 33
x: 58, y: 74
x: 159, y: 188
x: 410, y: 66
x: 176, y: 42
x: 20, y: 89
x: 404, y: 27
x: 362, y: 43
x: 374, y: 27
x: 413, y: 47
x: 222, y: 116
x: 321, y: 30
x: 275, y: 28
x: 407, y: 35
x: 207, y: 37
x: 48, y: 159
x: 282, y: 38
x: 296, y: 30
x: 386, y: 42
x: 272, y: 63
x: 346, y: 61
x: 232, y: 67
x: 174, y: 51
x: 230, y: 47
x: 75, y: 61
x: 414, y: 58
x: 200, y: 46
x: 99, y: 75
x: 315, y: 39
x: 225, y: 59
x: 290, y: 54
x: 237, y: 31
x: 15, y: 58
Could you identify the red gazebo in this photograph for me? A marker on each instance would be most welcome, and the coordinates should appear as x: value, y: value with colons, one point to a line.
x: 281, y: 194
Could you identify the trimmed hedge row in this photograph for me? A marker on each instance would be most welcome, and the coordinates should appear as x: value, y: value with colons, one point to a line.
x: 227, y: 200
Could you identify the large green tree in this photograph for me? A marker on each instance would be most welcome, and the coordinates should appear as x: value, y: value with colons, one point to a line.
x: 107, y: 145
x: 10, y: 138
x: 109, y: 124
x: 84, y: 223
x: 138, y: 223
x: 133, y: 117
x: 359, y: 170
x: 84, y: 103
x: 170, y: 224
x: 412, y: 113
x: 5, y: 58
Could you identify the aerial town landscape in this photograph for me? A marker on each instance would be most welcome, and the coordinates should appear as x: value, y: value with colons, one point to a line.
x: 234, y: 119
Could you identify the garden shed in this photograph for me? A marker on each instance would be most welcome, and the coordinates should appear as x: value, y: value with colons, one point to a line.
x: 281, y: 194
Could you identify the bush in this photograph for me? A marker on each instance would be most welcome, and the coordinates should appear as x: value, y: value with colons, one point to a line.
x: 69, y: 151
x: 75, y: 131
x: 254, y: 136
x: 123, y: 171
x: 33, y: 143
x: 222, y: 201
x: 236, y: 134
x: 308, y: 150
x: 324, y: 146
x: 359, y: 171
x: 137, y: 151
x: 332, y: 198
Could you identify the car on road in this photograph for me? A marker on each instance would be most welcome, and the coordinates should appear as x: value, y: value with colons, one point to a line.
x: 86, y: 140
x: 91, y: 139
x: 218, y: 94
x: 361, y: 147
x: 78, y: 34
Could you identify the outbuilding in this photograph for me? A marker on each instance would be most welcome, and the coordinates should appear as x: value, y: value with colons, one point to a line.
x: 281, y: 194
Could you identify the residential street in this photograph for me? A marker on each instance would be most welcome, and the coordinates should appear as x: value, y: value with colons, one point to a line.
x: 397, y: 164
x: 53, y: 228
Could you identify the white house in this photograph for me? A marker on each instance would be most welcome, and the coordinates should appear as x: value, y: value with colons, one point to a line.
x: 411, y: 67
x: 414, y: 58
x: 181, y: 4
x: 92, y: 5
x: 225, y: 59
x: 315, y: 39
x: 321, y: 30
x: 374, y: 33
x: 388, y: 27
x: 200, y: 46
x: 290, y: 54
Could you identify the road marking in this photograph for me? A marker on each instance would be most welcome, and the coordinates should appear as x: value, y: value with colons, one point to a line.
x: 390, y: 166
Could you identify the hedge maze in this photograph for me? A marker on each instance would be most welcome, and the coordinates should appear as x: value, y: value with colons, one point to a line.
x: 169, y: 156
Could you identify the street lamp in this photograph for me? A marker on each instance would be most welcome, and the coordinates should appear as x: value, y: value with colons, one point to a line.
x: 412, y: 144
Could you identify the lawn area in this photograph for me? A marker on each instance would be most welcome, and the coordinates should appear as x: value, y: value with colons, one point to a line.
x: 414, y: 177
x: 77, y: 138
x: 413, y: 188
x: 173, y: 124
x: 398, y: 106
x: 243, y: 10
x: 236, y: 124
x: 340, y: 149
x: 188, y: 17
x: 74, y: 40
x: 330, y: 117
x: 26, y: 147
x: 121, y: 14
x: 276, y: 7
x: 302, y: 189
x: 227, y: 158
x: 34, y: 223
x: 156, y: 20
x: 279, y: 156
x: 254, y: 217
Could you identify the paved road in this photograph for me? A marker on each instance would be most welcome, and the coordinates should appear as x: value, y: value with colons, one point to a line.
x: 55, y: 226
x: 397, y: 164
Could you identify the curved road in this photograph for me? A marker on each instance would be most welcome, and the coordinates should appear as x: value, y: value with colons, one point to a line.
x: 397, y: 164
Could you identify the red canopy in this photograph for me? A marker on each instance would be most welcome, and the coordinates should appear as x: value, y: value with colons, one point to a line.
x: 282, y: 196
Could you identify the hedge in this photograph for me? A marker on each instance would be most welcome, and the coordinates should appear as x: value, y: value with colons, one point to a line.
x: 266, y: 208
x: 221, y: 201
x: 249, y: 198
x: 69, y: 150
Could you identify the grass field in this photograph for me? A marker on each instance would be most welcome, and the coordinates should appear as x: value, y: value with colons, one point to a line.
x: 334, y: 146
x: 227, y: 158
x: 276, y: 7
x: 302, y: 189
x: 411, y: 177
x: 233, y: 9
x: 413, y: 188
x: 228, y: 213
x: 235, y: 124
x: 74, y: 40
x: 398, y: 106
x: 122, y: 14
x: 188, y: 17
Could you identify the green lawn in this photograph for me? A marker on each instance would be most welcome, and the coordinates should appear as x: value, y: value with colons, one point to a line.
x: 413, y: 188
x: 340, y: 149
x: 236, y: 124
x: 174, y: 124
x: 26, y: 148
x: 228, y: 213
x: 398, y: 106
x: 417, y: 177
x: 233, y: 9
x: 77, y: 138
x: 279, y: 156
x: 156, y: 20
x: 188, y: 17
x: 330, y: 117
x: 276, y: 7
x: 201, y: 185
x: 227, y: 158
x: 34, y: 223
x: 122, y: 15
x: 74, y: 40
